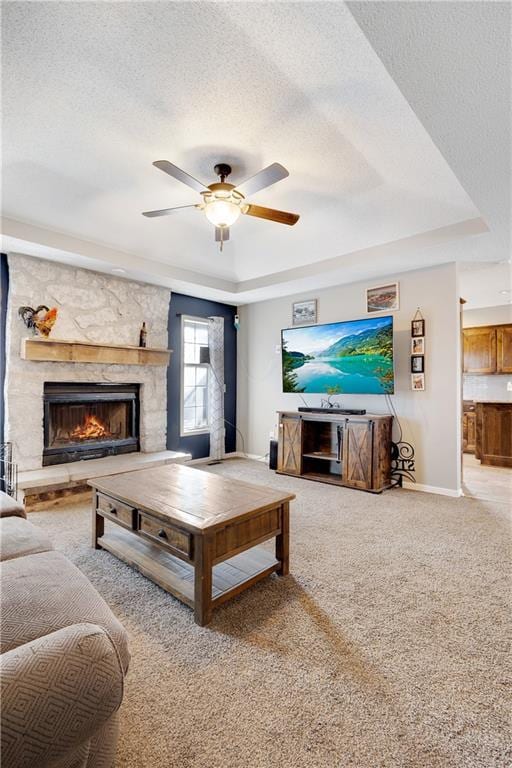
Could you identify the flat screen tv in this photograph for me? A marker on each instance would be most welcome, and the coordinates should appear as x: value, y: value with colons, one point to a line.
x: 353, y: 357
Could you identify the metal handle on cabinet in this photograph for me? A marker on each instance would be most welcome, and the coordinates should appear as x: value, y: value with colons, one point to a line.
x: 112, y: 509
x: 162, y: 534
x: 340, y: 442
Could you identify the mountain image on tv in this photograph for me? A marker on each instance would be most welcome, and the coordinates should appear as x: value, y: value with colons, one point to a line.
x: 353, y: 357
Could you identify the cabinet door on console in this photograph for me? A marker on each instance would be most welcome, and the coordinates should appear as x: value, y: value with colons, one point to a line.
x: 358, y: 453
x: 289, y: 457
x: 480, y: 350
x: 504, y: 346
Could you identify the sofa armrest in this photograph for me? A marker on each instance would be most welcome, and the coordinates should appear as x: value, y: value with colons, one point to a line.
x: 9, y: 507
x: 56, y: 692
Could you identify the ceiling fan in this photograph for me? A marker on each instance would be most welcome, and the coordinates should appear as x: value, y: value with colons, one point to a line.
x: 222, y: 202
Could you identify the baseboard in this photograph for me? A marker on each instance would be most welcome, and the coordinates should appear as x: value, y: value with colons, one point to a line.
x: 407, y: 485
x: 255, y: 457
x: 208, y: 459
x: 432, y: 489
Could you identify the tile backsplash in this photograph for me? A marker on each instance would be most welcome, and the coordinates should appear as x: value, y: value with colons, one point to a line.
x: 495, y: 387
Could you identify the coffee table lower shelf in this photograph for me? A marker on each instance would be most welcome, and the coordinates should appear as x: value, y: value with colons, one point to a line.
x: 177, y: 577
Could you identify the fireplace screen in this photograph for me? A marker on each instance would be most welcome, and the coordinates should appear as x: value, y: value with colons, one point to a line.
x: 71, y: 423
x: 84, y: 421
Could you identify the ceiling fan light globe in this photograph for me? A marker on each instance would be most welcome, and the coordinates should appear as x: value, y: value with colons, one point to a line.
x: 222, y: 213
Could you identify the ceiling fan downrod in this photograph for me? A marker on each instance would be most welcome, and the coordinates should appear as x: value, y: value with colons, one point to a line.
x: 223, y: 170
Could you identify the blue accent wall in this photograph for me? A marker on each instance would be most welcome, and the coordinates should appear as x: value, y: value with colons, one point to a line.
x: 4, y: 290
x: 199, y: 445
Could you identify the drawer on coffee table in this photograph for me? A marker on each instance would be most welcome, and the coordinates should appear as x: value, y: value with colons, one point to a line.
x: 115, y: 510
x: 165, y: 534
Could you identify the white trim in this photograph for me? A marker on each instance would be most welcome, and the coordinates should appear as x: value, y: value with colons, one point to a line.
x: 208, y: 459
x: 407, y: 485
x: 432, y: 489
x: 254, y: 457
x: 203, y: 430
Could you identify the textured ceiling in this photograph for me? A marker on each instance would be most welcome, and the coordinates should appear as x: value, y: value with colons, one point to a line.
x: 94, y: 92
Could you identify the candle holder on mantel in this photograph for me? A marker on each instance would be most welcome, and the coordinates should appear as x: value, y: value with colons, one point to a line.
x: 143, y: 336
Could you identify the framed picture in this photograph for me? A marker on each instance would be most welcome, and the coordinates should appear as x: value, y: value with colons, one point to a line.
x: 418, y: 328
x: 383, y: 298
x: 417, y: 364
x: 418, y: 346
x: 304, y: 312
x: 418, y: 381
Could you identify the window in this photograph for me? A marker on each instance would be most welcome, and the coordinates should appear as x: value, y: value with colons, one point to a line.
x: 194, y: 402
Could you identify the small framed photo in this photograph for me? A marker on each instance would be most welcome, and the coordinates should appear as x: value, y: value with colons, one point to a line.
x: 418, y: 381
x: 418, y: 346
x: 418, y: 328
x: 304, y: 312
x: 383, y: 298
x: 417, y: 364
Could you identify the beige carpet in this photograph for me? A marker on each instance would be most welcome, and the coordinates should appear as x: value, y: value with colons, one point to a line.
x: 386, y: 647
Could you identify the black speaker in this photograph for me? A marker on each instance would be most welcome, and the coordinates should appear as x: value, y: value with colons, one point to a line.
x: 272, y: 454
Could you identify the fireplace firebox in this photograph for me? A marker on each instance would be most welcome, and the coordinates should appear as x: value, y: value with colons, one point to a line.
x: 88, y: 421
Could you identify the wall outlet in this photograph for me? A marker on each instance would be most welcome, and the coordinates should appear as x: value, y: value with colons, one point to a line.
x: 509, y: 386
x: 277, y: 349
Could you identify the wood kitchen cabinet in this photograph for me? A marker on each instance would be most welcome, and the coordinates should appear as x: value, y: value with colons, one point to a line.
x: 494, y: 434
x: 504, y: 349
x: 488, y: 349
x: 469, y: 428
x: 480, y: 350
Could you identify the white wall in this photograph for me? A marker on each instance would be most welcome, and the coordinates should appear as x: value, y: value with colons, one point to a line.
x: 471, y: 318
x: 493, y: 387
x: 430, y: 419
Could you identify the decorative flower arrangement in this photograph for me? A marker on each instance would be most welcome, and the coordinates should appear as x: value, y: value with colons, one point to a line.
x: 40, y: 320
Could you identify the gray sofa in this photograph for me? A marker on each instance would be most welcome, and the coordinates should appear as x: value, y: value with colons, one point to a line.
x: 64, y: 655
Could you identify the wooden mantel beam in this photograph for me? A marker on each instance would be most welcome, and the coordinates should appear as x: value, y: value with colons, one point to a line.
x: 62, y: 351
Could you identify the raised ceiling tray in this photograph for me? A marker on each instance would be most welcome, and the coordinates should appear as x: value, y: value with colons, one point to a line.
x: 61, y: 351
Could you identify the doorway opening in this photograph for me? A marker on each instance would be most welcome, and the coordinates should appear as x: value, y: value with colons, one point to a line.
x: 487, y: 402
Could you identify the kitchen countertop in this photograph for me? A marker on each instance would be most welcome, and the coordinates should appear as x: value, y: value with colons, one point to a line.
x: 490, y: 402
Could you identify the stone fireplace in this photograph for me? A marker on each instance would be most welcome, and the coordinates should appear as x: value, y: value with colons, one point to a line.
x: 89, y: 421
x: 92, y: 307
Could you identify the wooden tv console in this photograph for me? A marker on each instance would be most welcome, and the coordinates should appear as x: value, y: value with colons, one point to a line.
x: 353, y: 451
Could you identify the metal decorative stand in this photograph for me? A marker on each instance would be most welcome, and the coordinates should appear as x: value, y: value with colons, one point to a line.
x: 8, y: 471
x: 402, y: 464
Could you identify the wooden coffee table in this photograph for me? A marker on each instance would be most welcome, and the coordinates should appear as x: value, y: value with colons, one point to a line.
x: 191, y: 532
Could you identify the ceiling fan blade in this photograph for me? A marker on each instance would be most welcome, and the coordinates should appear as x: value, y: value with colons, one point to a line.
x: 282, y: 217
x: 262, y: 179
x: 166, y: 211
x: 177, y: 173
x: 221, y: 236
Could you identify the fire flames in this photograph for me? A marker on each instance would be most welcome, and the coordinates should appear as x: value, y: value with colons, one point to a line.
x: 92, y: 429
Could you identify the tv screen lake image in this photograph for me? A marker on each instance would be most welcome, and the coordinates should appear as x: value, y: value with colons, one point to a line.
x: 352, y: 357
